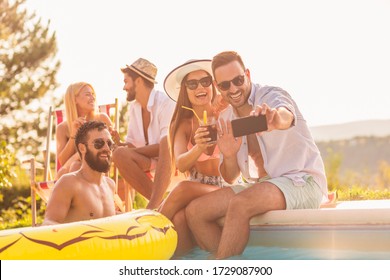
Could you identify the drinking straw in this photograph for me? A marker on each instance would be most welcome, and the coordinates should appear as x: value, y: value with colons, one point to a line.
x: 205, y: 117
x: 192, y: 111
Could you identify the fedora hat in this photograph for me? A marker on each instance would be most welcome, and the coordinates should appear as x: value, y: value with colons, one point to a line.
x: 144, y: 68
x: 172, y: 82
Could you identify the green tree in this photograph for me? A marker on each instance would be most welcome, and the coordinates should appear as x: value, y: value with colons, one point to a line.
x: 6, y: 162
x: 27, y: 75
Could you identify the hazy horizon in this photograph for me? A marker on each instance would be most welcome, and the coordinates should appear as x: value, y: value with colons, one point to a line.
x: 331, y: 56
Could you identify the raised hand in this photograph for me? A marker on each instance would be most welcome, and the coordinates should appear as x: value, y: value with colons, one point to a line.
x: 227, y: 143
x: 76, y: 125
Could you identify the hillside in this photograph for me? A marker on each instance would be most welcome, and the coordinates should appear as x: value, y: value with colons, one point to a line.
x: 360, y: 154
x: 362, y: 146
x: 378, y: 128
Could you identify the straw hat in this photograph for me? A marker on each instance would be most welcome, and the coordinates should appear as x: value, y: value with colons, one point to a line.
x: 143, y: 68
x: 173, y: 80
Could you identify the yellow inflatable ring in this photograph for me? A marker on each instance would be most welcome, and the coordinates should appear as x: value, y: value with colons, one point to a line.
x: 136, y: 235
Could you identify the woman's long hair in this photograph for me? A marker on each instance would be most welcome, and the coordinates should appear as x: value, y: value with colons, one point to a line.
x: 72, y: 92
x: 180, y: 114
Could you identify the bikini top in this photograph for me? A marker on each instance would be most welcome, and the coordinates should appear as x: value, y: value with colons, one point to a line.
x: 203, y: 156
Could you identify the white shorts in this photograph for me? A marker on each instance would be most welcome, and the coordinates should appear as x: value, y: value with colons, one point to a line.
x: 307, y: 196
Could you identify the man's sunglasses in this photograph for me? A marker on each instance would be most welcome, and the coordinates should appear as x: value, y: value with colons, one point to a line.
x: 99, y: 143
x: 193, y: 84
x: 237, y: 81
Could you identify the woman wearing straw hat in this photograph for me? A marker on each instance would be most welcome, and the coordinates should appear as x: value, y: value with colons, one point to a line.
x: 190, y: 85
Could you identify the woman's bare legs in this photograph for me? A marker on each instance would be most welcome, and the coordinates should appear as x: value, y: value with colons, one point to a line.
x: 182, y: 195
x: 174, y: 209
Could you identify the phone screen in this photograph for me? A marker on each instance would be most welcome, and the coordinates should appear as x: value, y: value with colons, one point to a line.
x: 249, y: 125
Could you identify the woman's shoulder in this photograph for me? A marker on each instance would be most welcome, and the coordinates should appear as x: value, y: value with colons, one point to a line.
x: 62, y: 128
x: 184, y: 131
x: 62, y: 125
x: 185, y: 126
x: 100, y: 116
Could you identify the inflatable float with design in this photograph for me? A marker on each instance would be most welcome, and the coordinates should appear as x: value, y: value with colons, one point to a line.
x: 136, y: 235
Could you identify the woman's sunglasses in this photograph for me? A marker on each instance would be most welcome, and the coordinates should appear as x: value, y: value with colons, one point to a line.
x: 237, y: 81
x: 99, y: 143
x: 193, y: 84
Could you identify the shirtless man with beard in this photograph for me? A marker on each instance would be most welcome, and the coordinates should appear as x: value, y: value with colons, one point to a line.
x: 87, y: 193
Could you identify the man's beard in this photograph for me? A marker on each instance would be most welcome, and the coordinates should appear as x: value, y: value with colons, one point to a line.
x: 96, y: 163
x: 130, y: 95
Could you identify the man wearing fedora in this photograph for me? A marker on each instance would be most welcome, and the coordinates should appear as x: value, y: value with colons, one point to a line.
x: 146, y: 145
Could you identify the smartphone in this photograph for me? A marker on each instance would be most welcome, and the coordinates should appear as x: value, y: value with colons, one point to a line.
x: 249, y: 125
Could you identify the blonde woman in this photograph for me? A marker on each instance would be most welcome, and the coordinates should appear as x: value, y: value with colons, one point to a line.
x: 80, y: 106
x: 191, y: 85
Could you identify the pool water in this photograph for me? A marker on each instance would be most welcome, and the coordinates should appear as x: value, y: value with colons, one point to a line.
x: 277, y: 253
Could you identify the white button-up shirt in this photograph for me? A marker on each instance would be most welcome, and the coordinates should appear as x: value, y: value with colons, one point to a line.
x: 290, y: 153
x: 161, y: 108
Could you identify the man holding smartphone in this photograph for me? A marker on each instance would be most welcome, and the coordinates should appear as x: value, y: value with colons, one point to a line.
x: 282, y: 167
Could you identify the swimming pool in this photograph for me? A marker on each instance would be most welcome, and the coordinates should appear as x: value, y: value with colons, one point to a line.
x: 279, y: 253
x: 348, y: 243
x: 352, y: 230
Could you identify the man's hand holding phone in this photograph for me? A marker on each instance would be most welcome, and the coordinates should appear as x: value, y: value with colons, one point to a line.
x: 277, y: 118
x: 256, y: 122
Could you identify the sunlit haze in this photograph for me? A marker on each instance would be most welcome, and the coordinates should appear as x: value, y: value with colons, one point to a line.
x: 332, y: 56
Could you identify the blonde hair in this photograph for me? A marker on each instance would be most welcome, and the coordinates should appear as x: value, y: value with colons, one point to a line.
x: 72, y: 92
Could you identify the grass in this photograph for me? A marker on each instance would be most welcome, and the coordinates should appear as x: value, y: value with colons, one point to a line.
x: 15, y: 202
x: 361, y: 193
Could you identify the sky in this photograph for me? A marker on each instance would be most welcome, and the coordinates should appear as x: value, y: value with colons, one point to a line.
x: 331, y: 56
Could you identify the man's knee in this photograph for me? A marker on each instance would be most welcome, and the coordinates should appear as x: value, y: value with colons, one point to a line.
x: 121, y: 154
x: 238, y: 205
x: 179, y: 217
x: 116, y: 154
x: 191, y: 212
